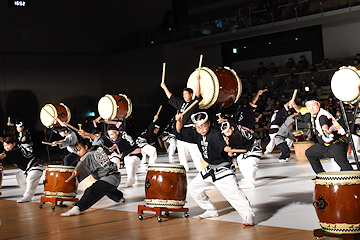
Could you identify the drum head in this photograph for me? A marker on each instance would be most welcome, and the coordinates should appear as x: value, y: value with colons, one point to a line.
x: 345, y: 84
x: 209, y: 85
x: 126, y: 112
x: 107, y: 107
x: 45, y: 117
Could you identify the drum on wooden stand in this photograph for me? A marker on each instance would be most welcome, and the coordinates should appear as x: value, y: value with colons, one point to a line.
x: 218, y: 85
x: 60, y: 111
x: 55, y: 185
x: 300, y: 149
x: 298, y: 135
x: 345, y: 84
x: 165, y: 186
x: 337, y: 201
x: 114, y: 107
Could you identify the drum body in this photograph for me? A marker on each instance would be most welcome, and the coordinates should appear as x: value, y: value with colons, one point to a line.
x: 337, y: 201
x: 165, y: 186
x: 114, y: 107
x: 55, y: 110
x: 218, y: 85
x: 55, y: 185
x: 300, y: 149
x: 345, y: 84
x: 1, y: 174
x: 298, y: 135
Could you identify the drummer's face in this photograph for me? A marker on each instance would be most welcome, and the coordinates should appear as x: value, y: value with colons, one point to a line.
x: 229, y: 132
x: 203, y: 128
x: 81, y: 150
x: 113, y: 135
x: 313, y: 107
x: 187, y: 96
x: 9, y: 146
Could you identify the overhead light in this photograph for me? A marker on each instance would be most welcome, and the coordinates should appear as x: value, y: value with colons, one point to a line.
x: 234, y: 50
x: 296, y: 39
x: 269, y: 43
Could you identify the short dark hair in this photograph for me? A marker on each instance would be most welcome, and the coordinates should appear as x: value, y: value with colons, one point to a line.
x: 82, y: 142
x: 188, y: 90
x: 10, y: 139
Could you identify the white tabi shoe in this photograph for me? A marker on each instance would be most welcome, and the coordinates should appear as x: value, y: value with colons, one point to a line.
x: 249, y: 219
x: 24, y: 199
x: 209, y: 214
x: 72, y: 212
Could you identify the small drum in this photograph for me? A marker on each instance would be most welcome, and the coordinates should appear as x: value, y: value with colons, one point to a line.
x: 218, y: 85
x: 345, y: 84
x: 300, y: 149
x: 298, y: 135
x: 1, y: 174
x: 165, y: 186
x: 55, y: 185
x: 337, y: 202
x: 55, y: 110
x: 114, y: 107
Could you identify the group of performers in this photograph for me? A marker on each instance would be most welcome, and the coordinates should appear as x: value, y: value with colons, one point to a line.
x: 212, y: 141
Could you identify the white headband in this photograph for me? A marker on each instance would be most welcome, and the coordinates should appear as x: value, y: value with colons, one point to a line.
x: 201, y: 121
x: 225, y: 126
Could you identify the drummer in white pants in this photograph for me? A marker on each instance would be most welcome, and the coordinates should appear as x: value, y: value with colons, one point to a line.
x: 145, y: 141
x: 31, y: 169
x: 168, y: 136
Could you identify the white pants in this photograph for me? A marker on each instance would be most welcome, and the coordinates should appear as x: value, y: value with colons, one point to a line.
x: 184, y: 149
x: 30, y: 182
x: 171, y: 149
x: 271, y: 145
x: 356, y: 140
x: 115, y: 159
x: 131, y: 165
x: 248, y: 167
x: 227, y: 186
x: 150, y: 151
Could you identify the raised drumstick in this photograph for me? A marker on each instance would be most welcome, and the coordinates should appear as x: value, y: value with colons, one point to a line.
x: 61, y: 122
x: 163, y: 73
x: 294, y: 95
x: 158, y: 112
x: 200, y: 63
x: 80, y: 125
x: 191, y: 106
x: 47, y: 143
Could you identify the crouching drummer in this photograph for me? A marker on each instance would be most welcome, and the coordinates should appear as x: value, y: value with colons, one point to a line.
x: 96, y: 162
x: 31, y: 168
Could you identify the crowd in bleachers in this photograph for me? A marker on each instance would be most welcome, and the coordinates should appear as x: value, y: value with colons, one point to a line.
x: 281, y: 81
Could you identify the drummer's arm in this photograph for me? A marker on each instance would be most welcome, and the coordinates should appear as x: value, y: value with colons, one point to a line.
x: 166, y: 90
x: 256, y: 97
x: 86, y: 134
x: 198, y: 89
x: 179, y: 124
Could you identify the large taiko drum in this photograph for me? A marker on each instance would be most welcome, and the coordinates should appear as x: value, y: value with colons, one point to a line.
x: 300, y: 149
x: 55, y: 185
x: 165, y: 186
x: 298, y: 135
x: 337, y: 201
x: 1, y: 174
x: 218, y: 85
x: 114, y: 107
x: 60, y: 111
x: 345, y: 84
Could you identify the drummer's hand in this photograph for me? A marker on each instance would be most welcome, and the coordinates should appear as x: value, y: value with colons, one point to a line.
x: 163, y: 85
x: 227, y: 149
x: 97, y: 120
x: 73, y: 174
x: 2, y: 155
x: 326, y: 130
x: 293, y: 115
x: 55, y: 143
x: 23, y: 139
x: 112, y: 148
x: 221, y: 120
x: 82, y: 133
x: 260, y: 92
x: 178, y: 117
x: 198, y: 77
x: 155, y: 118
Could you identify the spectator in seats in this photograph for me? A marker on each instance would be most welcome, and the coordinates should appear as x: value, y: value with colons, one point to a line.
x: 303, y: 64
x: 327, y: 64
x: 356, y: 62
x: 358, y: 57
x: 330, y: 105
x: 262, y: 69
x: 313, y: 89
x: 313, y: 68
x: 290, y: 63
x: 303, y: 89
x: 340, y: 64
x: 270, y: 104
x: 273, y: 68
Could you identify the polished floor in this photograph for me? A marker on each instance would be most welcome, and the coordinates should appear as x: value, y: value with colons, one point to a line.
x: 282, y: 197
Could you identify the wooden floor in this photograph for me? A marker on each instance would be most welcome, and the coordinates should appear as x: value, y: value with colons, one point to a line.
x: 28, y: 221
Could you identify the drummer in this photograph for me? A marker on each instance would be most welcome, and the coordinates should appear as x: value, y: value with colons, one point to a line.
x: 31, y: 168
x: 126, y: 148
x: 96, y: 162
x: 184, y: 145
x: 169, y: 136
x: 219, y: 171
x: 68, y: 142
x: 332, y: 139
x: 146, y: 140
x: 24, y: 137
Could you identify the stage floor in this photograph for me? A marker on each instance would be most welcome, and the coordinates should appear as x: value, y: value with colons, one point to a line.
x: 282, y: 201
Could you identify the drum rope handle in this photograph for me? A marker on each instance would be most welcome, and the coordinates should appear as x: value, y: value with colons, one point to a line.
x: 320, y: 204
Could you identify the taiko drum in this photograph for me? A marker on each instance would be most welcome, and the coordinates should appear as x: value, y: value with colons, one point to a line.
x: 55, y: 185
x: 337, y: 201
x: 217, y: 85
x: 114, y: 107
x: 300, y: 149
x: 165, y: 186
x: 49, y: 111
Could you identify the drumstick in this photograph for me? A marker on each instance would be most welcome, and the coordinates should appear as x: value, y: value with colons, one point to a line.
x: 57, y: 119
x: 73, y: 128
x: 191, y: 106
x: 158, y: 112
x: 163, y: 73
x: 200, y: 63
x: 47, y: 143
x: 79, y: 124
x: 294, y: 96
x: 218, y: 115
x: 69, y: 179
x: 236, y: 150
x: 259, y: 116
